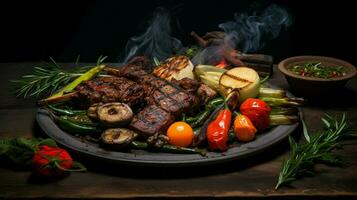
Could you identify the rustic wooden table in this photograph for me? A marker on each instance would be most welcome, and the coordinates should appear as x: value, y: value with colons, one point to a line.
x: 248, y: 178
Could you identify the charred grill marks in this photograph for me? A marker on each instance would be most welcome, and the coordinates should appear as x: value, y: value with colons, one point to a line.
x: 110, y: 89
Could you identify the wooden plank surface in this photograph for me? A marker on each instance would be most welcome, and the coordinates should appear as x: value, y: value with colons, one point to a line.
x: 246, y: 178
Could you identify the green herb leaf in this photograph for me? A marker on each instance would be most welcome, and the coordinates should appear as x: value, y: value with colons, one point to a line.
x: 304, y: 156
x: 305, y: 131
x: 48, y: 142
x: 78, y: 166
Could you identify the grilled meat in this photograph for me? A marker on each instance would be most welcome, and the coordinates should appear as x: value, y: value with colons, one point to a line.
x: 158, y: 91
x: 110, y: 89
x: 165, y: 99
x: 202, y: 91
x: 170, y: 97
x: 190, y: 85
x: 205, y: 93
x: 135, y: 70
x: 151, y: 120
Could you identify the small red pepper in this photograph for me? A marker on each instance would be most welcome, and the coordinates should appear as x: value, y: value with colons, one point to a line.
x: 257, y: 111
x: 244, y: 129
x: 218, y: 130
x: 52, y: 161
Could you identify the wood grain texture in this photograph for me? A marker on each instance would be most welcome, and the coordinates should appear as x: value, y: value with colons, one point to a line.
x: 248, y: 178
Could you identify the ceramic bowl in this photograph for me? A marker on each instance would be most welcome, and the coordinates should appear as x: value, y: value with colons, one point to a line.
x: 313, y: 86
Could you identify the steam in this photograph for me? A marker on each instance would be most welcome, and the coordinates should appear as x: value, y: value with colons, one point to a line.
x: 249, y: 33
x: 156, y: 41
x: 246, y: 33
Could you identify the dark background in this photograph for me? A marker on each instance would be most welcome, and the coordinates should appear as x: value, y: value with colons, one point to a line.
x: 36, y: 30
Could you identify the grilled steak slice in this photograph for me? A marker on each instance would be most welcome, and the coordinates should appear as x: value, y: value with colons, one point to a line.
x: 170, y: 97
x: 110, y: 89
x: 158, y: 91
x: 142, y: 61
x: 135, y: 70
x: 200, y: 90
x: 187, y: 84
x: 205, y: 93
x: 151, y: 120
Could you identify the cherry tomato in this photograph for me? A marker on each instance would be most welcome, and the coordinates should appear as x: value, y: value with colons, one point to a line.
x: 257, y: 111
x: 180, y: 134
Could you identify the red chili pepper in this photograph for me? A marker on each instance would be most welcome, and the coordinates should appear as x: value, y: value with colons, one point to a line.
x: 257, y: 111
x: 52, y: 161
x: 217, y: 130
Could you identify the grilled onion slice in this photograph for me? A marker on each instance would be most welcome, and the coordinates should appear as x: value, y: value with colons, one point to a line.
x: 242, y: 79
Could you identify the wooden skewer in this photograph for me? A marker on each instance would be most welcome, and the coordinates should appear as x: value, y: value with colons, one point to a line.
x: 200, y: 40
x: 58, y: 99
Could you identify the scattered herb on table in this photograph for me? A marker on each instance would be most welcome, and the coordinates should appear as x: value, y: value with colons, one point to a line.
x: 313, y: 69
x: 318, y: 149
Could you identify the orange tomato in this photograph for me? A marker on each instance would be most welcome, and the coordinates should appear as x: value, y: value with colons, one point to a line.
x: 180, y: 134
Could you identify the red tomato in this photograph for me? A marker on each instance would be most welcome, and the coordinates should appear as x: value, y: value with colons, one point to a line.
x: 257, y: 111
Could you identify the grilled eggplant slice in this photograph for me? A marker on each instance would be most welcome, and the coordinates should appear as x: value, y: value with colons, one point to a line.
x: 117, y: 138
x: 114, y: 114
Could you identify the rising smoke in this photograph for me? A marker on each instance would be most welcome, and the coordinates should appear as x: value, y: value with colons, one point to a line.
x: 156, y: 41
x: 249, y: 33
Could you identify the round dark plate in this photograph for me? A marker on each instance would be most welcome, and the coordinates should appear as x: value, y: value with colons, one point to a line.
x: 140, y: 157
x: 146, y: 158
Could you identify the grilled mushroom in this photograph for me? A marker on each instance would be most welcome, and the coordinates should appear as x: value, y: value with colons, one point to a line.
x: 117, y: 138
x: 92, y: 111
x: 114, y: 114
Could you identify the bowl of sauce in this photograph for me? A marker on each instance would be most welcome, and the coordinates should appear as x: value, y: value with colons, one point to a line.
x: 316, y: 76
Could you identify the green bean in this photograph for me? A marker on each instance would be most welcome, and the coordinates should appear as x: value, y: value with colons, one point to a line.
x: 292, y: 101
x: 215, y: 102
x: 62, y: 111
x: 199, y: 119
x: 82, y: 119
x: 202, y: 116
x: 66, y: 124
x: 283, y: 119
x: 283, y: 111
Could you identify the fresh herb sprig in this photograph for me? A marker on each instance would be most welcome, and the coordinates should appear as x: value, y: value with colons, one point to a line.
x: 48, y: 79
x: 318, y: 149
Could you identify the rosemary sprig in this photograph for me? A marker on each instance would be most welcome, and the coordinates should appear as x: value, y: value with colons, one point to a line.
x: 318, y: 150
x: 48, y: 79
